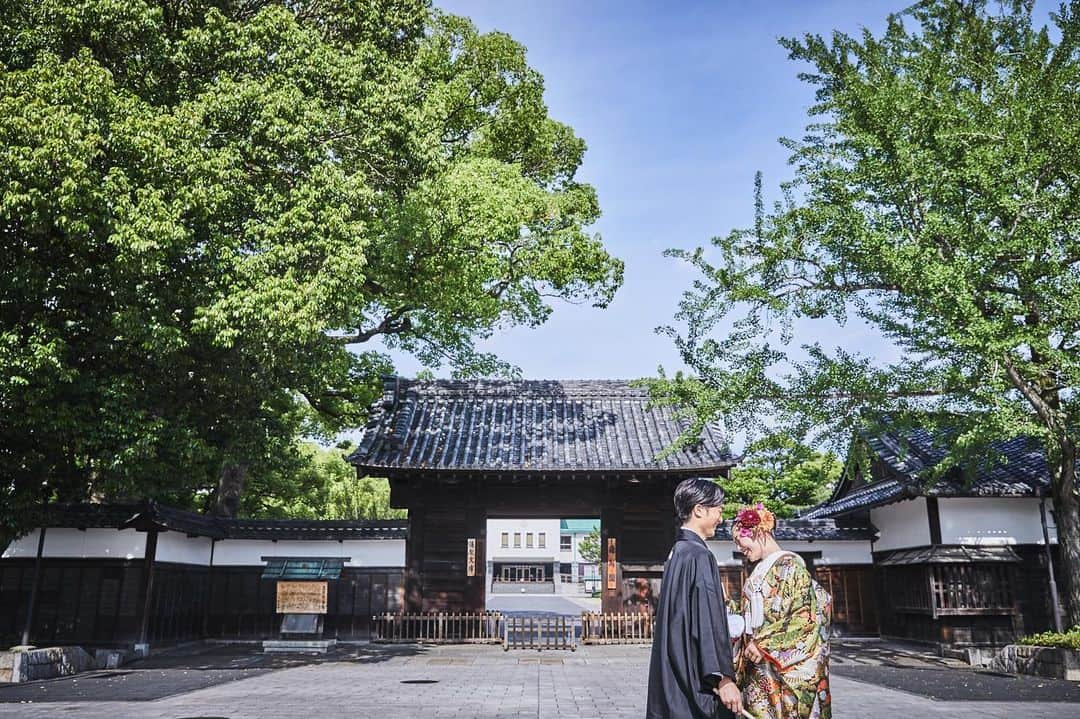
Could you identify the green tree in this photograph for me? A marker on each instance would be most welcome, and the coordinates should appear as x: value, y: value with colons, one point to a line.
x: 209, y: 210
x: 936, y: 198
x: 589, y: 547
x: 324, y: 486
x: 782, y: 474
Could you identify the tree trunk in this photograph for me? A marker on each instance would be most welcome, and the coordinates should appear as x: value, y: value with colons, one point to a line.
x: 1067, y: 516
x: 230, y: 487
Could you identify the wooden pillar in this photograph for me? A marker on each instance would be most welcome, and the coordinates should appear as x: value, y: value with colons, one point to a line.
x: 148, y: 587
x: 414, y: 560
x: 36, y: 582
x: 476, y: 533
x: 611, y: 520
x: 209, y: 589
x: 933, y: 517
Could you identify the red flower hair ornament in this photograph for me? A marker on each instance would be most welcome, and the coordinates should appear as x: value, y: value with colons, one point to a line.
x: 751, y: 521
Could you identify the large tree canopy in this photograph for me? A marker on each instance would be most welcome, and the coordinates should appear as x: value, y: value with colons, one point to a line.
x: 323, y: 487
x: 783, y: 474
x: 936, y: 198
x: 209, y: 207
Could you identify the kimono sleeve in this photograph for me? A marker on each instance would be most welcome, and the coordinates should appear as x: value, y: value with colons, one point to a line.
x: 789, y: 633
x: 708, y: 622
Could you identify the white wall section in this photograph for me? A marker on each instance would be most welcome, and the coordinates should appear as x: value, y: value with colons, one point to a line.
x: 362, y: 552
x: 81, y: 544
x: 994, y: 520
x: 832, y: 551
x: 903, y: 524
x: 182, y: 549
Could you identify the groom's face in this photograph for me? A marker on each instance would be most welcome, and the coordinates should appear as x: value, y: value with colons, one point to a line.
x: 709, y: 518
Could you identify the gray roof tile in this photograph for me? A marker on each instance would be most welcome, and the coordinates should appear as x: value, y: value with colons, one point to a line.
x: 515, y: 426
x: 152, y: 515
x: 911, y: 454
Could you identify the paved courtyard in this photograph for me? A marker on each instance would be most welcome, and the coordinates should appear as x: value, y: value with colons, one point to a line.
x: 871, y: 680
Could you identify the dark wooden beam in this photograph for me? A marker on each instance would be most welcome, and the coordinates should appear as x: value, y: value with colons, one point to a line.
x: 149, y: 555
x: 28, y: 628
x: 933, y: 516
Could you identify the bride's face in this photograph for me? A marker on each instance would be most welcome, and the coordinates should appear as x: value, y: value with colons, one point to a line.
x: 751, y: 547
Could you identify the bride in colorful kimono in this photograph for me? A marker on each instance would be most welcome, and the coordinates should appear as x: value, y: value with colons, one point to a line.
x: 784, y: 664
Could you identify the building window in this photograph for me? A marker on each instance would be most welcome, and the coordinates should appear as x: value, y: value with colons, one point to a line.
x: 517, y: 540
x: 505, y: 540
x: 566, y: 543
x: 529, y: 540
x: 524, y: 573
x: 541, y: 540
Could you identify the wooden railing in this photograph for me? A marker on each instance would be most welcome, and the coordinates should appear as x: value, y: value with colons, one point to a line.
x: 439, y: 628
x: 597, y: 628
x: 539, y: 632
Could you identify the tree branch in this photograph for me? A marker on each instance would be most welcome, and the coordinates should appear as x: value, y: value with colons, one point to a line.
x: 394, y: 323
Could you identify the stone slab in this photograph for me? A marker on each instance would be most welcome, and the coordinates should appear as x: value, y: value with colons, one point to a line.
x: 305, y: 646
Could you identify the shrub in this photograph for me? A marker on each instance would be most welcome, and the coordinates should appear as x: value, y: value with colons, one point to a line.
x: 1065, y: 640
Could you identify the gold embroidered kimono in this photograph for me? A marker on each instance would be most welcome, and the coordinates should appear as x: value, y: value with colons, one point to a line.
x: 788, y: 615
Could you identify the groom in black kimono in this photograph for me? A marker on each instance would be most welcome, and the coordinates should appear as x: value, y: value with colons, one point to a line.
x: 691, y: 672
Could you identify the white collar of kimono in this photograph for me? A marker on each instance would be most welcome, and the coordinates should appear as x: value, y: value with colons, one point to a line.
x: 754, y: 613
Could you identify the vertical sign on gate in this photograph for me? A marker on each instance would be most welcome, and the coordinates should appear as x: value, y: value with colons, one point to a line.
x: 470, y: 558
x: 611, y: 573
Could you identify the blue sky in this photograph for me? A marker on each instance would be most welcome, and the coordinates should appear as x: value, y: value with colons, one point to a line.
x: 680, y: 104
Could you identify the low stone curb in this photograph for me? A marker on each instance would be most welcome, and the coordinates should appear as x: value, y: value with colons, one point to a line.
x: 27, y: 664
x: 1050, y: 662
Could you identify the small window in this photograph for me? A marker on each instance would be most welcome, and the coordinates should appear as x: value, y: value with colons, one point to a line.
x: 529, y: 540
x: 541, y: 540
x: 517, y: 540
x: 504, y: 541
x: 566, y: 542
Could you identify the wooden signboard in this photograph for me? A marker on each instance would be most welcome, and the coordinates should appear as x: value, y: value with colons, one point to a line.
x: 470, y: 559
x: 301, y: 597
x: 612, y: 573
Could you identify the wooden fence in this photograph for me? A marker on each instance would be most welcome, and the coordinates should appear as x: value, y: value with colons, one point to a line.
x: 513, y: 631
x: 540, y: 632
x: 597, y: 628
x: 439, y: 628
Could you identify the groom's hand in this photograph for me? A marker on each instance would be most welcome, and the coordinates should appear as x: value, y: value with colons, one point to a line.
x: 730, y: 695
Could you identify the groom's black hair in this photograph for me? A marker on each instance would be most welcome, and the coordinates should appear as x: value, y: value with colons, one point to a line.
x: 694, y: 491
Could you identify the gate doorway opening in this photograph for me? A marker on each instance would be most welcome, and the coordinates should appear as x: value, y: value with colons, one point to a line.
x: 542, y: 565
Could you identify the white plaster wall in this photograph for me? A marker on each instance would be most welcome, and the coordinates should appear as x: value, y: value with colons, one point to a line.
x: 903, y: 524
x: 832, y: 552
x: 362, y: 552
x: 22, y: 547
x: 993, y: 520
x: 495, y: 528
x: 182, y: 549
x: 81, y: 544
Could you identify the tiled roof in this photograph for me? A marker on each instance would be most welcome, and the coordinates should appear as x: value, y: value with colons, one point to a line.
x: 872, y: 495
x: 316, y: 529
x: 89, y: 516
x: 151, y: 515
x: 911, y: 454
x: 802, y: 530
x: 529, y: 426
x: 950, y: 554
x: 303, y: 568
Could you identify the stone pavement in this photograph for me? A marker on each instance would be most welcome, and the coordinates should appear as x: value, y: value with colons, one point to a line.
x: 461, y: 682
